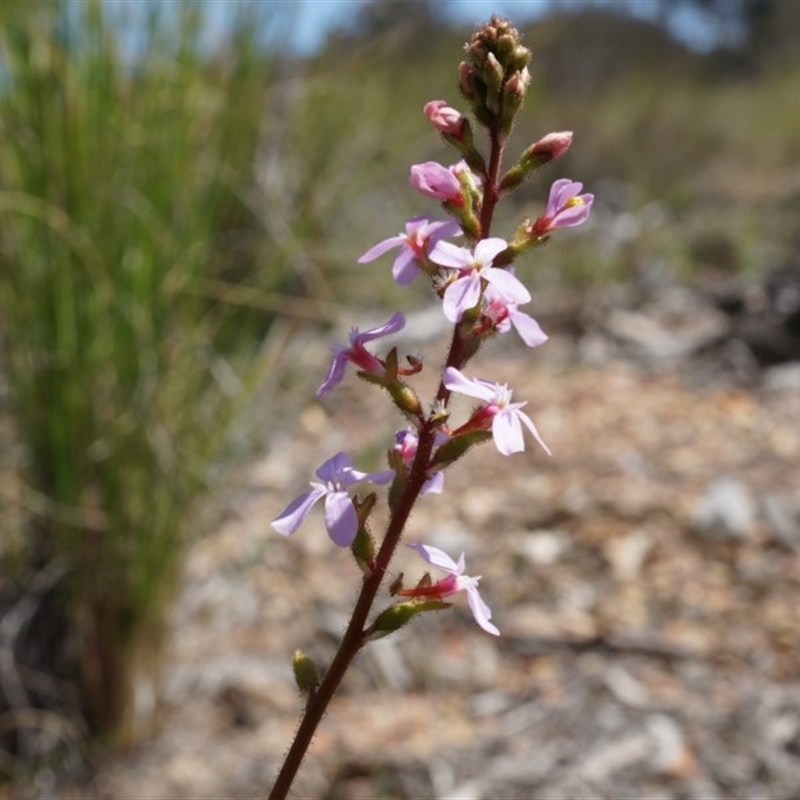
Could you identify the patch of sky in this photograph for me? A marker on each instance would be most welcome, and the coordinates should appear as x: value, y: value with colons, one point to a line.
x: 303, y: 25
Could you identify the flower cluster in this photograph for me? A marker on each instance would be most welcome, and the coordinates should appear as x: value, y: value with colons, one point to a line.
x: 480, y: 294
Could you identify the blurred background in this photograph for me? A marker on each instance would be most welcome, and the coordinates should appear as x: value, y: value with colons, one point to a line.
x: 185, y: 188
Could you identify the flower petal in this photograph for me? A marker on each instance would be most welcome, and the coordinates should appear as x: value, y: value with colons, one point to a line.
x: 395, y: 323
x: 293, y: 515
x: 335, y: 371
x: 561, y: 191
x: 382, y: 247
x: 434, y: 484
x: 528, y: 328
x: 461, y: 295
x: 576, y: 214
x: 405, y: 269
x: 436, y: 181
x: 508, y: 285
x: 444, y: 228
x: 487, y: 249
x: 380, y: 478
x: 481, y: 611
x: 456, y: 381
x: 332, y: 470
x: 438, y: 558
x: 447, y: 254
x: 341, y: 519
x: 528, y: 423
x: 507, y: 433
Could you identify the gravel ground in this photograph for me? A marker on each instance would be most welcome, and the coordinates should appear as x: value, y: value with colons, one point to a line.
x: 645, y: 580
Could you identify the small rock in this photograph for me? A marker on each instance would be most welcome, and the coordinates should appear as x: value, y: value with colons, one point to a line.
x: 543, y: 547
x: 627, y: 555
x: 726, y: 510
x: 626, y: 688
x: 605, y: 761
x: 784, y: 521
x: 672, y: 755
x: 783, y: 377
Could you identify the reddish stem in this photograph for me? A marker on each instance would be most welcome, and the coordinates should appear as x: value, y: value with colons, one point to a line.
x: 491, y: 191
x: 354, y: 637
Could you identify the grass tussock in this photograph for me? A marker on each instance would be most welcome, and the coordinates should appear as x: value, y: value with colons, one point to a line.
x: 123, y: 195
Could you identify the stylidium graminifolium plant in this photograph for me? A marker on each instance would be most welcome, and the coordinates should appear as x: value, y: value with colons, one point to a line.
x: 481, y: 296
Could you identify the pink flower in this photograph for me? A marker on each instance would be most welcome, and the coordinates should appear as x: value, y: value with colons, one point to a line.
x: 500, y: 315
x: 445, y: 119
x: 437, y: 181
x: 358, y: 354
x: 474, y: 268
x: 455, y: 581
x: 341, y: 519
x: 407, y: 442
x: 421, y: 234
x: 565, y: 208
x: 504, y: 418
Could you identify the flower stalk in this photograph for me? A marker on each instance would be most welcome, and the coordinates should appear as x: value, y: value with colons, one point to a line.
x: 481, y: 296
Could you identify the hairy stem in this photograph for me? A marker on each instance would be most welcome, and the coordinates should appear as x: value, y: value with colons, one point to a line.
x: 354, y: 637
x: 491, y: 192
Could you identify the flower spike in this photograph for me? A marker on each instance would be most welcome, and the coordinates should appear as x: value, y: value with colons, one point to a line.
x: 482, y: 297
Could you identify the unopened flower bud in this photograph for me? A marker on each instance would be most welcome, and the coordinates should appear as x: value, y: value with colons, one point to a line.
x: 500, y: 38
x: 493, y: 75
x: 500, y: 68
x: 466, y: 80
x: 518, y: 82
x: 513, y: 96
x: 306, y: 675
x: 521, y: 58
x: 406, y: 399
x: 506, y: 45
x: 473, y: 87
x: 445, y: 119
x: 547, y: 149
x: 477, y: 53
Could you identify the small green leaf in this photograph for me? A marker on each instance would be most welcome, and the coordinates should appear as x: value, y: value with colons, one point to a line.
x: 398, y: 615
x: 455, y: 448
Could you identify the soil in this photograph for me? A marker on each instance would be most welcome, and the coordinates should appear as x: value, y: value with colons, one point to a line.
x: 645, y: 580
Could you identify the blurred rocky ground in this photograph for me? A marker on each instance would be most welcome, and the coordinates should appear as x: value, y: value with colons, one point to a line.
x: 645, y: 579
